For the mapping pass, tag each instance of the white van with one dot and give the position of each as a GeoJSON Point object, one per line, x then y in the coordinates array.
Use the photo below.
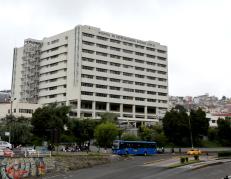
{"type": "Point", "coordinates": [4, 144]}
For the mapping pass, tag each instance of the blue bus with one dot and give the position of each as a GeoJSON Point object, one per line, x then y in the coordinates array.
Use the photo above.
{"type": "Point", "coordinates": [122, 147]}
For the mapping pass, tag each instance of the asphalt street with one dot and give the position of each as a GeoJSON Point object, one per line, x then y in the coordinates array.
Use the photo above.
{"type": "Point", "coordinates": [139, 167]}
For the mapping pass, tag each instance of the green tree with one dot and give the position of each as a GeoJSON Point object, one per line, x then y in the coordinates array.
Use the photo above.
{"type": "Point", "coordinates": [83, 130]}
{"type": "Point", "coordinates": [199, 125]}
{"type": "Point", "coordinates": [19, 128]}
{"type": "Point", "coordinates": [48, 122]}
{"type": "Point", "coordinates": [129, 137]}
{"type": "Point", "coordinates": [224, 131]}
{"type": "Point", "coordinates": [176, 127]}
{"type": "Point", "coordinates": [105, 133]}
{"type": "Point", "coordinates": [109, 117]}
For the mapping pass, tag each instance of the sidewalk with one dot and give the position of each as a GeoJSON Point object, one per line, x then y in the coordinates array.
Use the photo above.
{"type": "Point", "coordinates": [174, 160]}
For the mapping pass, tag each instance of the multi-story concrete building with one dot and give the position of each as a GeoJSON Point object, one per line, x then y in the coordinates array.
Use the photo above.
{"type": "Point", "coordinates": [93, 71]}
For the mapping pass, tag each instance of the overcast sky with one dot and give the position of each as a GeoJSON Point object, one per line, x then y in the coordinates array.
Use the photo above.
{"type": "Point", "coordinates": [197, 33]}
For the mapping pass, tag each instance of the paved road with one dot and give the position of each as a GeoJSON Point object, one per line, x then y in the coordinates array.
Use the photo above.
{"type": "Point", "coordinates": [139, 168]}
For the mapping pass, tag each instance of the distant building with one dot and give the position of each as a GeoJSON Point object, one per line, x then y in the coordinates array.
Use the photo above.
{"type": "Point", "coordinates": [94, 71]}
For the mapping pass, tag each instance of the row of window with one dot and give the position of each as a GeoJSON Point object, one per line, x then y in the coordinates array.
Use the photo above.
{"type": "Point", "coordinates": [124, 66]}
{"type": "Point", "coordinates": [123, 73]}
{"type": "Point", "coordinates": [125, 59]}
{"type": "Point", "coordinates": [119, 49]}
{"type": "Point", "coordinates": [26, 111]}
{"type": "Point", "coordinates": [121, 42]}
{"type": "Point", "coordinates": [119, 80]}
{"type": "Point", "coordinates": [118, 57]}
{"type": "Point", "coordinates": [87, 93]}
{"type": "Point", "coordinates": [126, 89]}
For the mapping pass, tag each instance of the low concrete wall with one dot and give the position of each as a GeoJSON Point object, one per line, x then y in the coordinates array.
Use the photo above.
{"type": "Point", "coordinates": [16, 168]}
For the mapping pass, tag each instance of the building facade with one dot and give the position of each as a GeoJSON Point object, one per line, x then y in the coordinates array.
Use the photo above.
{"type": "Point", "coordinates": [93, 71]}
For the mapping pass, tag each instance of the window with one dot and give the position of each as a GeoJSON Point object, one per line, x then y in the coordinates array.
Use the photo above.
{"type": "Point", "coordinates": [101, 86]}
{"type": "Point", "coordinates": [87, 51]}
{"type": "Point", "coordinates": [128, 97]}
{"type": "Point", "coordinates": [162, 87]}
{"type": "Point", "coordinates": [102, 38]}
{"type": "Point", "coordinates": [53, 88]}
{"type": "Point", "coordinates": [115, 41]}
{"type": "Point", "coordinates": [114, 96]}
{"type": "Point", "coordinates": [101, 78]}
{"type": "Point", "coordinates": [87, 76]}
{"type": "Point", "coordinates": [127, 59]}
{"type": "Point", "coordinates": [151, 92]}
{"type": "Point", "coordinates": [53, 96]}
{"type": "Point", "coordinates": [128, 89]}
{"type": "Point", "coordinates": [162, 72]}
{"type": "Point", "coordinates": [114, 88]}
{"type": "Point", "coordinates": [101, 54]}
{"type": "Point", "coordinates": [114, 64]}
{"type": "Point", "coordinates": [151, 78]}
{"type": "Point", "coordinates": [151, 85]}
{"type": "Point", "coordinates": [127, 82]}
{"type": "Point", "coordinates": [87, 84]}
{"type": "Point", "coordinates": [87, 59]}
{"type": "Point", "coordinates": [139, 54]}
{"type": "Point", "coordinates": [139, 76]}
{"type": "Point", "coordinates": [87, 67]}
{"type": "Point", "coordinates": [139, 68]}
{"type": "Point", "coordinates": [127, 74]}
{"type": "Point", "coordinates": [128, 44]}
{"type": "Point", "coordinates": [88, 43]}
{"type": "Point", "coordinates": [115, 49]}
{"type": "Point", "coordinates": [101, 94]}
{"type": "Point", "coordinates": [54, 49]}
{"type": "Point", "coordinates": [127, 66]}
{"type": "Point", "coordinates": [139, 61]}
{"type": "Point", "coordinates": [140, 83]}
{"type": "Point", "coordinates": [139, 91]}
{"type": "Point", "coordinates": [161, 65]}
{"type": "Point", "coordinates": [88, 35]}
{"type": "Point", "coordinates": [161, 51]}
{"type": "Point", "coordinates": [151, 70]}
{"type": "Point", "coordinates": [151, 100]}
{"type": "Point", "coordinates": [114, 72]}
{"type": "Point", "coordinates": [150, 49]}
{"type": "Point", "coordinates": [161, 58]}
{"type": "Point", "coordinates": [151, 56]}
{"type": "Point", "coordinates": [101, 70]}
{"type": "Point", "coordinates": [115, 56]}
{"type": "Point", "coordinates": [101, 62]}
{"type": "Point", "coordinates": [115, 80]}
{"type": "Point", "coordinates": [54, 41]}
{"type": "Point", "coordinates": [87, 93]}
{"type": "Point", "coordinates": [101, 46]}
{"type": "Point", "coordinates": [127, 51]}
{"type": "Point", "coordinates": [151, 63]}
{"type": "Point", "coordinates": [139, 99]}
{"type": "Point", "coordinates": [162, 79]}
{"type": "Point", "coordinates": [139, 46]}
{"type": "Point", "coordinates": [162, 94]}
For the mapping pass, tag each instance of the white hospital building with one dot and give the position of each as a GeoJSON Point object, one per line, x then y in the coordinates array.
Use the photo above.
{"type": "Point", "coordinates": [93, 71]}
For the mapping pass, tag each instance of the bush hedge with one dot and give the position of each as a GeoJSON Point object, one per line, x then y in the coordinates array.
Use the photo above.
{"type": "Point", "coordinates": [224, 154]}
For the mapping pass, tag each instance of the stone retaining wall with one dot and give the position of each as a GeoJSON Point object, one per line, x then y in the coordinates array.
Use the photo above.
{"type": "Point", "coordinates": [16, 168]}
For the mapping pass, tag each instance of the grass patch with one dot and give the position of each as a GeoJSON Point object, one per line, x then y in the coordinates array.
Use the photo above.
{"type": "Point", "coordinates": [183, 164]}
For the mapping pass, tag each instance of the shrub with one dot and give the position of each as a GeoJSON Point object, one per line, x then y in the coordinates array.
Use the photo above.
{"type": "Point", "coordinates": [224, 154]}
{"type": "Point", "coordinates": [196, 157]}
{"type": "Point", "coordinates": [182, 159]}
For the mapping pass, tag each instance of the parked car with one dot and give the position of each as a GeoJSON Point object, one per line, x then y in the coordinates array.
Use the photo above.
{"type": "Point", "coordinates": [194, 152]}
{"type": "Point", "coordinates": [4, 144]}
{"type": "Point", "coordinates": [8, 153]}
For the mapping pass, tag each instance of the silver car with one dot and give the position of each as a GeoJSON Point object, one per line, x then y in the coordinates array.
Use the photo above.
{"type": "Point", "coordinates": [4, 144]}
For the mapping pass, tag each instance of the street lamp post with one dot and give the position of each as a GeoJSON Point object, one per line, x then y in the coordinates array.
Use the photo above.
{"type": "Point", "coordinates": [190, 129]}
